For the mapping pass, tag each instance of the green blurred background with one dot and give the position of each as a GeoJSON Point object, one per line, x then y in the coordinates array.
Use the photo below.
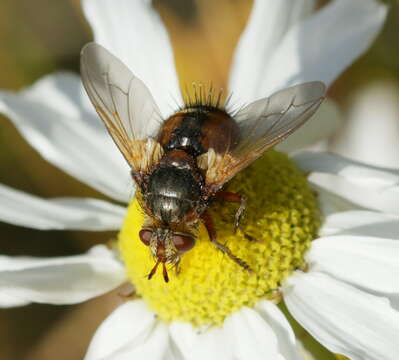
{"type": "Point", "coordinates": [43, 36]}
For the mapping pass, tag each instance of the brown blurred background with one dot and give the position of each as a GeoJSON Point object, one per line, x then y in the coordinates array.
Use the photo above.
{"type": "Point", "coordinates": [42, 36]}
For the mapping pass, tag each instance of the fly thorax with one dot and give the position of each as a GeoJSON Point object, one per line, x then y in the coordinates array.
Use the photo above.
{"type": "Point", "coordinates": [172, 194]}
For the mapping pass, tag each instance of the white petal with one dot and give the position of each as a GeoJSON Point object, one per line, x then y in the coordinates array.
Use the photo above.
{"type": "Point", "coordinates": [19, 208]}
{"type": "Point", "coordinates": [319, 127]}
{"type": "Point", "coordinates": [366, 186]}
{"type": "Point", "coordinates": [62, 280]}
{"type": "Point", "coordinates": [268, 23]}
{"type": "Point", "coordinates": [287, 343]}
{"type": "Point", "coordinates": [322, 46]}
{"type": "Point", "coordinates": [52, 118]}
{"type": "Point", "coordinates": [344, 319]}
{"type": "Point", "coordinates": [394, 300]}
{"type": "Point", "coordinates": [129, 323]}
{"type": "Point", "coordinates": [133, 31]}
{"type": "Point", "coordinates": [196, 344]}
{"type": "Point", "coordinates": [372, 109]}
{"type": "Point", "coordinates": [379, 198]}
{"type": "Point", "coordinates": [368, 262]}
{"type": "Point", "coordinates": [130, 332]}
{"type": "Point", "coordinates": [11, 301]}
{"type": "Point", "coordinates": [361, 222]}
{"type": "Point", "coordinates": [354, 171]}
{"type": "Point", "coordinates": [246, 334]}
{"type": "Point", "coordinates": [155, 347]}
{"type": "Point", "coordinates": [330, 203]}
{"type": "Point", "coordinates": [251, 336]}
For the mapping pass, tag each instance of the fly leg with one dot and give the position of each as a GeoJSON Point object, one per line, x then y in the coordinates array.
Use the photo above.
{"type": "Point", "coordinates": [177, 267]}
{"type": "Point", "coordinates": [234, 197]}
{"type": "Point", "coordinates": [208, 222]}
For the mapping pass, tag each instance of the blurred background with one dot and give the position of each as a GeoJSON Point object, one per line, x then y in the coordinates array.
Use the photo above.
{"type": "Point", "coordinates": [42, 36]}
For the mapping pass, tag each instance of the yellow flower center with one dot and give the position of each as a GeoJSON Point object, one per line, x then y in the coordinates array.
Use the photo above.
{"type": "Point", "coordinates": [280, 221]}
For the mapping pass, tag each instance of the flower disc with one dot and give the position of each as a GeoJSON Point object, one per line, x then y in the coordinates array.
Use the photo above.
{"type": "Point", "coordinates": [280, 221]}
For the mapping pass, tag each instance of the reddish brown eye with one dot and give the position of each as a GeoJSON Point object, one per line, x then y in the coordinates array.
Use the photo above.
{"type": "Point", "coordinates": [145, 236]}
{"type": "Point", "coordinates": [183, 242]}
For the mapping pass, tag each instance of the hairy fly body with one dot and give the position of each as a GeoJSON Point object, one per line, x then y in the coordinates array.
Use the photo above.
{"type": "Point", "coordinates": [181, 165]}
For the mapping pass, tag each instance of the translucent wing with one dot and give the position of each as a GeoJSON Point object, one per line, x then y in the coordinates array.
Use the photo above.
{"type": "Point", "coordinates": [263, 124]}
{"type": "Point", "coordinates": [125, 105]}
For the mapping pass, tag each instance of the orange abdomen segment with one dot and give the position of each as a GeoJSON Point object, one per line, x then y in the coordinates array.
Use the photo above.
{"type": "Point", "coordinates": [195, 130]}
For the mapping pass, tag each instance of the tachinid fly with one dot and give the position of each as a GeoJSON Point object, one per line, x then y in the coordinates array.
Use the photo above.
{"type": "Point", "coordinates": [181, 165]}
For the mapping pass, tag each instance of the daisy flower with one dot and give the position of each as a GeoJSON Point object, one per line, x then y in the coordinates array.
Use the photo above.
{"type": "Point", "coordinates": [324, 242]}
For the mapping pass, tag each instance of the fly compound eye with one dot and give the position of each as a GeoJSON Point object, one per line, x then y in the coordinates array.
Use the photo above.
{"type": "Point", "coordinates": [183, 243]}
{"type": "Point", "coordinates": [145, 236]}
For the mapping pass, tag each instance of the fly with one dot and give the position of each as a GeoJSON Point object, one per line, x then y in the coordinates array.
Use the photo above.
{"type": "Point", "coordinates": [181, 166]}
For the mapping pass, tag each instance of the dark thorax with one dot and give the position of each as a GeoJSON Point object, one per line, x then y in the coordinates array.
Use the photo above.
{"type": "Point", "coordinates": [174, 188]}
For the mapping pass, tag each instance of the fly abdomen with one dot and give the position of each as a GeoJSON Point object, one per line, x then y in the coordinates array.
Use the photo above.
{"type": "Point", "coordinates": [187, 136]}
{"type": "Point", "coordinates": [197, 129]}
